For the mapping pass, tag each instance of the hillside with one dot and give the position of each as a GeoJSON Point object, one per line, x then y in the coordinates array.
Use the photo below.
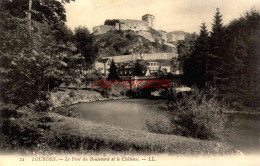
{"type": "Point", "coordinates": [126, 42]}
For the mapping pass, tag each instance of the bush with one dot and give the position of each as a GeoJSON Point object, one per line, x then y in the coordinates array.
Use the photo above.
{"type": "Point", "coordinates": [72, 93]}
{"type": "Point", "coordinates": [8, 110]}
{"type": "Point", "coordinates": [66, 109]}
{"type": "Point", "coordinates": [66, 101]}
{"type": "Point", "coordinates": [158, 124]}
{"type": "Point", "coordinates": [105, 92]}
{"type": "Point", "coordinates": [198, 115]}
{"type": "Point", "coordinates": [30, 130]}
{"type": "Point", "coordinates": [26, 131]}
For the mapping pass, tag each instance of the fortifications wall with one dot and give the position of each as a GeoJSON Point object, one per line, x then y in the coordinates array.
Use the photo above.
{"type": "Point", "coordinates": [149, 18]}
{"type": "Point", "coordinates": [125, 24]}
{"type": "Point", "coordinates": [135, 25]}
{"type": "Point", "coordinates": [163, 35]}
{"type": "Point", "coordinates": [103, 29]}
{"type": "Point", "coordinates": [133, 57]}
{"type": "Point", "coordinates": [156, 56]}
{"type": "Point", "coordinates": [146, 34]}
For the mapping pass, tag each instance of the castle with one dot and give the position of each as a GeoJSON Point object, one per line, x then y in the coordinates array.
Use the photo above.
{"type": "Point", "coordinates": [121, 24]}
{"type": "Point", "coordinates": [144, 27]}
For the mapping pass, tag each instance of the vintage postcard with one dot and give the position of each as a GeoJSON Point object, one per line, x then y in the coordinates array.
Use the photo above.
{"type": "Point", "coordinates": [130, 82]}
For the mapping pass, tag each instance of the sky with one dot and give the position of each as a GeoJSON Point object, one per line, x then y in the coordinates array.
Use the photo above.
{"type": "Point", "coordinates": [170, 15]}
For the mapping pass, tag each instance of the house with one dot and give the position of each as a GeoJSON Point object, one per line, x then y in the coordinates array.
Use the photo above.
{"type": "Point", "coordinates": [126, 63]}
{"type": "Point", "coordinates": [126, 69]}
{"type": "Point", "coordinates": [148, 73]}
{"type": "Point", "coordinates": [153, 66]}
{"type": "Point", "coordinates": [103, 66]}
{"type": "Point", "coordinates": [176, 36]}
{"type": "Point", "coordinates": [166, 68]}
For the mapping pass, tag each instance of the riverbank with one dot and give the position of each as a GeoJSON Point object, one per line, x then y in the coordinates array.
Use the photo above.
{"type": "Point", "coordinates": [62, 98]}
{"type": "Point", "coordinates": [51, 132]}
{"type": "Point", "coordinates": [100, 137]}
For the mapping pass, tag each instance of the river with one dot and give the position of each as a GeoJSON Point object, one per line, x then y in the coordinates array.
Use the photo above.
{"type": "Point", "coordinates": [133, 113]}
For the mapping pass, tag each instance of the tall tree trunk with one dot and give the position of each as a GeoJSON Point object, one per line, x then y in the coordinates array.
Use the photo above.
{"type": "Point", "coordinates": [30, 15]}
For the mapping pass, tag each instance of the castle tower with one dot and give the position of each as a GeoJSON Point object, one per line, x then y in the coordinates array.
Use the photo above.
{"type": "Point", "coordinates": [149, 18]}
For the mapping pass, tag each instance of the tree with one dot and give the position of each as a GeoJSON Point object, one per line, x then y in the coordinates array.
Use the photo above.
{"type": "Point", "coordinates": [228, 59]}
{"type": "Point", "coordinates": [113, 71]}
{"type": "Point", "coordinates": [30, 61]}
{"type": "Point", "coordinates": [186, 47]}
{"type": "Point", "coordinates": [138, 69]}
{"type": "Point", "coordinates": [85, 45]}
{"type": "Point", "coordinates": [202, 43]}
{"type": "Point", "coordinates": [217, 34]}
{"type": "Point", "coordinates": [216, 60]}
{"type": "Point", "coordinates": [195, 67]}
{"type": "Point", "coordinates": [50, 11]}
{"type": "Point", "coordinates": [242, 48]}
{"type": "Point", "coordinates": [23, 62]}
{"type": "Point", "coordinates": [34, 60]}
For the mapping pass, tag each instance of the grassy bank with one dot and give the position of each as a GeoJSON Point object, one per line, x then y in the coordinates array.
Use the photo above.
{"type": "Point", "coordinates": [82, 134]}
{"type": "Point", "coordinates": [52, 131]}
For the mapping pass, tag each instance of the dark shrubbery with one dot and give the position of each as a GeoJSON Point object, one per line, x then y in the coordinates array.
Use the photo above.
{"type": "Point", "coordinates": [25, 133]}
{"type": "Point", "coordinates": [72, 93]}
{"type": "Point", "coordinates": [198, 115]}
{"type": "Point", "coordinates": [30, 130]}
{"type": "Point", "coordinates": [227, 57]}
{"type": "Point", "coordinates": [8, 110]}
{"type": "Point", "coordinates": [105, 92]}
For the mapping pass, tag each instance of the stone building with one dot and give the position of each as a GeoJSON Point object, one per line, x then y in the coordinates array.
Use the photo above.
{"type": "Point", "coordinates": [153, 66]}
{"type": "Point", "coordinates": [103, 66]}
{"type": "Point", "coordinates": [149, 19]}
{"type": "Point", "coordinates": [144, 27]}
{"type": "Point", "coordinates": [97, 30]}
{"type": "Point", "coordinates": [175, 36]}
{"type": "Point", "coordinates": [166, 68]}
{"type": "Point", "coordinates": [159, 35]}
{"type": "Point", "coordinates": [126, 69]}
{"type": "Point", "coordinates": [126, 24]}
{"type": "Point", "coordinates": [163, 35]}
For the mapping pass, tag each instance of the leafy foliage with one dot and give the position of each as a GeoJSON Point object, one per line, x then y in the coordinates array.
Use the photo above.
{"type": "Point", "coordinates": [198, 115]}
{"type": "Point", "coordinates": [85, 45]}
{"type": "Point", "coordinates": [31, 62]}
{"type": "Point", "coordinates": [186, 47]}
{"type": "Point", "coordinates": [51, 11]}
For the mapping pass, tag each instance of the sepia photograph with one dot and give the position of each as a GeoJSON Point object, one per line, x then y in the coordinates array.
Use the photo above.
{"type": "Point", "coordinates": [130, 82]}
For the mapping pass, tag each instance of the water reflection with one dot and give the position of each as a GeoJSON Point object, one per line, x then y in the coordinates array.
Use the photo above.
{"type": "Point", "coordinates": [130, 114]}
{"type": "Point", "coordinates": [247, 136]}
